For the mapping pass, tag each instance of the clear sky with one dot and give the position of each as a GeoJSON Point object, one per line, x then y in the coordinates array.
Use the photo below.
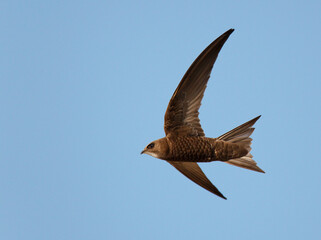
{"type": "Point", "coordinates": [84, 86]}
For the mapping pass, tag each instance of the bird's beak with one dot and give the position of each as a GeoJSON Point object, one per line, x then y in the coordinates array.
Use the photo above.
{"type": "Point", "coordinates": [143, 151]}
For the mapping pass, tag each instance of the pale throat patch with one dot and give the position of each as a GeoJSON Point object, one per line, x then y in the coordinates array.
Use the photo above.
{"type": "Point", "coordinates": [152, 154]}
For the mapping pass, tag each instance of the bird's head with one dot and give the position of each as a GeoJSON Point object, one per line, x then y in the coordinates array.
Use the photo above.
{"type": "Point", "coordinates": [158, 148]}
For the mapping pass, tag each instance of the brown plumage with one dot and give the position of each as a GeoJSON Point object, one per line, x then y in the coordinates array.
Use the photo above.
{"type": "Point", "coordinates": [203, 149]}
{"type": "Point", "coordinates": [185, 143]}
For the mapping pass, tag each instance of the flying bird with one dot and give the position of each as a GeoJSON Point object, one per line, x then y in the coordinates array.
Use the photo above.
{"type": "Point", "coordinates": [185, 143]}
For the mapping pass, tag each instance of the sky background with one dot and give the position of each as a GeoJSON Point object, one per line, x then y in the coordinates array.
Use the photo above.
{"type": "Point", "coordinates": [84, 86]}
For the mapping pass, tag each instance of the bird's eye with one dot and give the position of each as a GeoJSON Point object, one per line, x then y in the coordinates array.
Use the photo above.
{"type": "Point", "coordinates": [150, 146]}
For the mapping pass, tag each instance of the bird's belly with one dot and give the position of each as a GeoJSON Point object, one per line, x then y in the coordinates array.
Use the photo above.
{"type": "Point", "coordinates": [192, 150]}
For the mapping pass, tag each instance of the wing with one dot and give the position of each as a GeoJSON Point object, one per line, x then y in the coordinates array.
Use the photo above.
{"type": "Point", "coordinates": [181, 117]}
{"type": "Point", "coordinates": [195, 173]}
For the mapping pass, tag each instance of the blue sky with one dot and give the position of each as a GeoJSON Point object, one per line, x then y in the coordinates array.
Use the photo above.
{"type": "Point", "coordinates": [85, 85]}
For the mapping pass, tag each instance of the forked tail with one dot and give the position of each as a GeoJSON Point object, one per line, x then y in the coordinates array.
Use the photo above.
{"type": "Point", "coordinates": [241, 135]}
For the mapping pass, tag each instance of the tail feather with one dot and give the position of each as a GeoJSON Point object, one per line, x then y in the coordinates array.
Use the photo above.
{"type": "Point", "coordinates": [245, 162]}
{"type": "Point", "coordinates": [241, 135]}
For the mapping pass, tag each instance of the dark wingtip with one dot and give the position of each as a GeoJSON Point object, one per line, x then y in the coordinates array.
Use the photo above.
{"type": "Point", "coordinates": [220, 195]}
{"type": "Point", "coordinates": [228, 32]}
{"type": "Point", "coordinates": [224, 37]}
{"type": "Point", "coordinates": [254, 119]}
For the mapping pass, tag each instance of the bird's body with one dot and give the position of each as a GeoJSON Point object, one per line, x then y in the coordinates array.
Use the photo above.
{"type": "Point", "coordinates": [190, 148]}
{"type": "Point", "coordinates": [185, 143]}
{"type": "Point", "coordinates": [201, 149]}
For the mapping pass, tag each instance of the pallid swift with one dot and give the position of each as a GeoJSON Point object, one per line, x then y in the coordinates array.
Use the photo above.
{"type": "Point", "coordinates": [185, 143]}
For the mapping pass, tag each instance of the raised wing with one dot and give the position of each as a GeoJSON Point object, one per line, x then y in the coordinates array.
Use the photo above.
{"type": "Point", "coordinates": [181, 117]}
{"type": "Point", "coordinates": [195, 173]}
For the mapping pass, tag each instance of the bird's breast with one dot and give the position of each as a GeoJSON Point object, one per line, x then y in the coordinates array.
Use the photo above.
{"type": "Point", "coordinates": [200, 149]}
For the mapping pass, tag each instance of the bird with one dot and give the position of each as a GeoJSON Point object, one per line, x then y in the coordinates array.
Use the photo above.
{"type": "Point", "coordinates": [185, 143]}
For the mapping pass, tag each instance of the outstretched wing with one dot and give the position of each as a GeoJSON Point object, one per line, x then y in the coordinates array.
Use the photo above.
{"type": "Point", "coordinates": [195, 173]}
{"type": "Point", "coordinates": [181, 117]}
